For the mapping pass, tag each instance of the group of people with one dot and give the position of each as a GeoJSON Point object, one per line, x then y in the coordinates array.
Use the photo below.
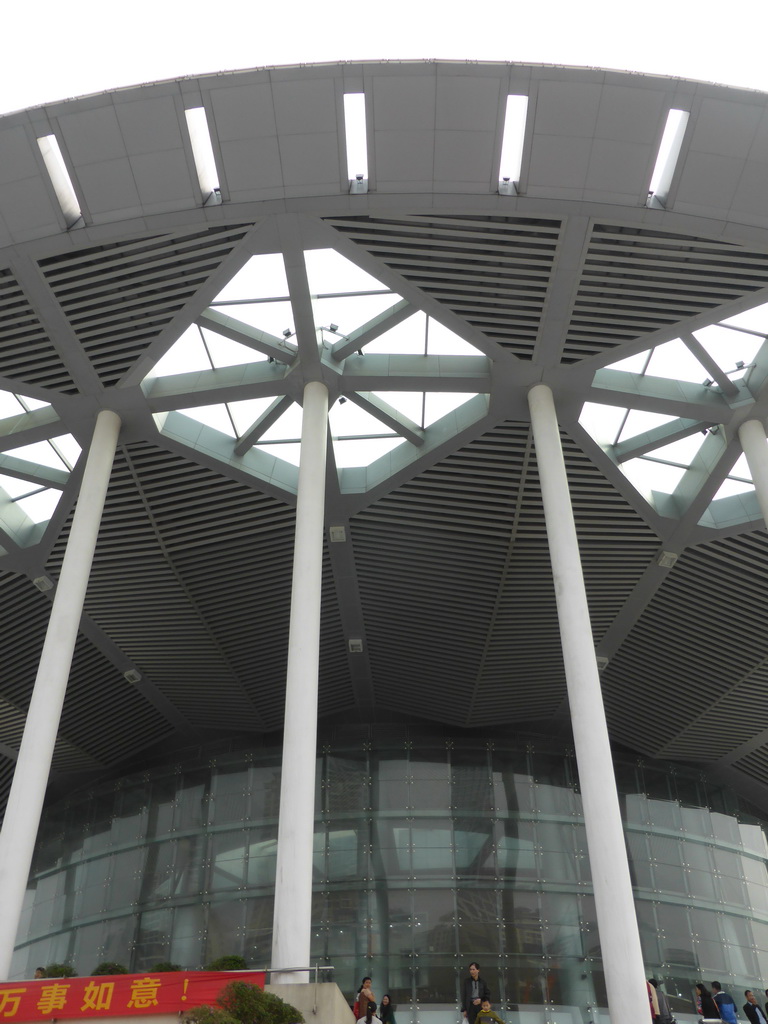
{"type": "Point", "coordinates": [365, 1007]}
{"type": "Point", "coordinates": [718, 1005]}
{"type": "Point", "coordinates": [475, 1002]}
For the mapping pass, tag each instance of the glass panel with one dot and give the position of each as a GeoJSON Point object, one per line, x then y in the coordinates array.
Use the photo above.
{"type": "Point", "coordinates": [639, 860]}
{"type": "Point", "coordinates": [265, 792]}
{"type": "Point", "coordinates": [649, 935]}
{"type": "Point", "coordinates": [473, 845]}
{"type": "Point", "coordinates": [116, 939]}
{"type": "Point", "coordinates": [226, 928]}
{"type": "Point", "coordinates": [88, 948]}
{"type": "Point", "coordinates": [130, 822]}
{"type": "Point", "coordinates": [92, 897]}
{"type": "Point", "coordinates": [347, 784]}
{"type": "Point", "coordinates": [163, 796]}
{"type": "Point", "coordinates": [396, 923]}
{"type": "Point", "coordinates": [125, 878]}
{"type": "Point", "coordinates": [262, 857]}
{"type": "Point", "coordinates": [434, 920]}
{"type": "Point", "coordinates": [342, 854]}
{"type": "Point", "coordinates": [561, 924]}
{"type": "Point", "coordinates": [430, 784]}
{"type": "Point", "coordinates": [158, 873]}
{"type": "Point", "coordinates": [187, 937]}
{"type": "Point", "coordinates": [675, 935]}
{"type": "Point", "coordinates": [522, 923]}
{"type": "Point", "coordinates": [557, 852]}
{"type": "Point", "coordinates": [154, 939]}
{"type": "Point", "coordinates": [190, 865]}
{"type": "Point", "coordinates": [227, 869]}
{"type": "Point", "coordinates": [229, 796]}
{"type": "Point", "coordinates": [515, 853]}
{"type": "Point", "coordinates": [391, 790]}
{"type": "Point", "coordinates": [588, 915]}
{"type": "Point", "coordinates": [470, 785]}
{"type": "Point", "coordinates": [191, 801]}
{"type": "Point", "coordinates": [258, 929]}
{"type": "Point", "coordinates": [512, 782]}
{"type": "Point", "coordinates": [432, 848]}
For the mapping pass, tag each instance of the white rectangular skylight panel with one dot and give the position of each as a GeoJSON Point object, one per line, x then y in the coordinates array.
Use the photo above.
{"type": "Point", "coordinates": [356, 136]}
{"type": "Point", "coordinates": [669, 151]}
{"type": "Point", "coordinates": [60, 179]}
{"type": "Point", "coordinates": [202, 150]}
{"type": "Point", "coordinates": [513, 138]}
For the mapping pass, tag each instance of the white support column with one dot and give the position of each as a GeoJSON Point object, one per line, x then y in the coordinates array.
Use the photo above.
{"type": "Point", "coordinates": [25, 802]}
{"type": "Point", "coordinates": [617, 922]}
{"type": "Point", "coordinates": [295, 839]}
{"type": "Point", "coordinates": [755, 445]}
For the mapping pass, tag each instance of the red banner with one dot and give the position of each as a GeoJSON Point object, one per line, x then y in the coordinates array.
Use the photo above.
{"type": "Point", "coordinates": [116, 995]}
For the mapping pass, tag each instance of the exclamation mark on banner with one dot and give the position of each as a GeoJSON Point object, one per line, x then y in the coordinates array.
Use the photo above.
{"type": "Point", "coordinates": [184, 994]}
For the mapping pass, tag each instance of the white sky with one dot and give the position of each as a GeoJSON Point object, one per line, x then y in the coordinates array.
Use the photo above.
{"type": "Point", "coordinates": [60, 48]}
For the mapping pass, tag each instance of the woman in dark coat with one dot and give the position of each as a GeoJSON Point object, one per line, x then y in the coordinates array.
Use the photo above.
{"type": "Point", "coordinates": [708, 1004]}
{"type": "Point", "coordinates": [387, 1011]}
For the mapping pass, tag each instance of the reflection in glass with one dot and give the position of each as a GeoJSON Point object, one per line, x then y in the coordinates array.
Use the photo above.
{"type": "Point", "coordinates": [428, 853]}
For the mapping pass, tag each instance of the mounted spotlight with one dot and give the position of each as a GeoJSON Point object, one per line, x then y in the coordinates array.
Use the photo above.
{"type": "Point", "coordinates": [333, 328]}
{"type": "Point", "coordinates": [287, 333]}
{"type": "Point", "coordinates": [708, 382]}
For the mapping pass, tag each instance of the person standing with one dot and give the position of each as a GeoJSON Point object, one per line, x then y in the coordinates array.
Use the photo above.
{"type": "Point", "coordinates": [474, 991]}
{"type": "Point", "coordinates": [387, 1010]}
{"type": "Point", "coordinates": [665, 1012]}
{"type": "Point", "coordinates": [725, 1004]}
{"type": "Point", "coordinates": [753, 1010]}
{"type": "Point", "coordinates": [364, 996]}
{"type": "Point", "coordinates": [708, 1006]}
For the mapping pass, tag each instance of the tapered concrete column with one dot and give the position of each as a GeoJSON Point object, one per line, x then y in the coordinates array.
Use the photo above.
{"type": "Point", "coordinates": [755, 445]}
{"type": "Point", "coordinates": [295, 837]}
{"type": "Point", "coordinates": [25, 802]}
{"type": "Point", "coordinates": [617, 922]}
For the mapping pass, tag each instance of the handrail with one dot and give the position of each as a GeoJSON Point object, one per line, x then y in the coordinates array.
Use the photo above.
{"type": "Point", "coordinates": [297, 970]}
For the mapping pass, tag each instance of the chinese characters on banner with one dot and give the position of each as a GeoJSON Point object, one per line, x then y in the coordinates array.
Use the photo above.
{"type": "Point", "coordinates": [115, 995]}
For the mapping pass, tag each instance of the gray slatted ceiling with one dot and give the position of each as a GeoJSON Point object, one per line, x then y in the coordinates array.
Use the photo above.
{"type": "Point", "coordinates": [137, 593]}
{"type": "Point", "coordinates": [635, 280]}
{"type": "Point", "coordinates": [118, 297]}
{"type": "Point", "coordinates": [103, 714]}
{"type": "Point", "coordinates": [493, 272]}
{"type": "Point", "coordinates": [336, 695]}
{"type": "Point", "coordinates": [66, 757]}
{"type": "Point", "coordinates": [26, 352]}
{"type": "Point", "coordinates": [755, 764]}
{"type": "Point", "coordinates": [456, 581]}
{"type": "Point", "coordinates": [522, 671]}
{"type": "Point", "coordinates": [697, 655]}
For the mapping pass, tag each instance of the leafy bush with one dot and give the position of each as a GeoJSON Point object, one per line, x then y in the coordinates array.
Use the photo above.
{"type": "Point", "coordinates": [60, 971]}
{"type": "Point", "coordinates": [163, 967]}
{"type": "Point", "coordinates": [109, 967]}
{"type": "Point", "coordinates": [227, 963]}
{"type": "Point", "coordinates": [209, 1015]}
{"type": "Point", "coordinates": [250, 1005]}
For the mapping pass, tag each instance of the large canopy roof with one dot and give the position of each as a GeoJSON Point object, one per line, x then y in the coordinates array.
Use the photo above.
{"type": "Point", "coordinates": [429, 294]}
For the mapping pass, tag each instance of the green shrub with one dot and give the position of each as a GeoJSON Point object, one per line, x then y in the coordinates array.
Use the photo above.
{"type": "Point", "coordinates": [109, 967]}
{"type": "Point", "coordinates": [227, 963]}
{"type": "Point", "coordinates": [209, 1015]}
{"type": "Point", "coordinates": [60, 971]}
{"type": "Point", "coordinates": [163, 967]}
{"type": "Point", "coordinates": [250, 1005]}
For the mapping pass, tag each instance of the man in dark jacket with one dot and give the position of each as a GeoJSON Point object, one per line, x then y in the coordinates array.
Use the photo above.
{"type": "Point", "coordinates": [753, 1009]}
{"type": "Point", "coordinates": [473, 991]}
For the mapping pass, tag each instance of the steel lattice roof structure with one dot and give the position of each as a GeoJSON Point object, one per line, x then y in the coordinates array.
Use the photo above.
{"type": "Point", "coordinates": [444, 571]}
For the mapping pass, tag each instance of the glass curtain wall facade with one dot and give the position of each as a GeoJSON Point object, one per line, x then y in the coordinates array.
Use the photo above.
{"type": "Point", "coordinates": [430, 850]}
